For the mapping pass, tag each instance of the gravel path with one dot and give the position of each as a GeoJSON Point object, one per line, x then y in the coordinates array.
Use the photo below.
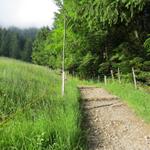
{"type": "Point", "coordinates": [111, 124]}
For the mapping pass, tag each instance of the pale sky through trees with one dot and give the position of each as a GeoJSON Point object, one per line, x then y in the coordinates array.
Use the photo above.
{"type": "Point", "coordinates": [27, 13]}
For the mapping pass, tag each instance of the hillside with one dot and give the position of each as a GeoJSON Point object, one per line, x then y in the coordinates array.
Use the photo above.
{"type": "Point", "coordinates": [33, 114]}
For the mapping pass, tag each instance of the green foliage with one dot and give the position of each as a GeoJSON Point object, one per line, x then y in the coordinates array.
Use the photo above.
{"type": "Point", "coordinates": [147, 46]}
{"type": "Point", "coordinates": [104, 68]}
{"type": "Point", "coordinates": [27, 50]}
{"type": "Point", "coordinates": [144, 77]}
{"type": "Point", "coordinates": [146, 66]}
{"type": "Point", "coordinates": [100, 35]}
{"type": "Point", "coordinates": [17, 43]}
{"type": "Point", "coordinates": [45, 52]}
{"type": "Point", "coordinates": [14, 46]}
{"type": "Point", "coordinates": [38, 47]}
{"type": "Point", "coordinates": [107, 12]}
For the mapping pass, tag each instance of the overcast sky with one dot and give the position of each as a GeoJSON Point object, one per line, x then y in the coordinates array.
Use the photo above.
{"type": "Point", "coordinates": [27, 13]}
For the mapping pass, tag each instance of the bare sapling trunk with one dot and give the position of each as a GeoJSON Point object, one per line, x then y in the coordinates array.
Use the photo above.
{"type": "Point", "coordinates": [119, 78]}
{"type": "Point", "coordinates": [105, 80]}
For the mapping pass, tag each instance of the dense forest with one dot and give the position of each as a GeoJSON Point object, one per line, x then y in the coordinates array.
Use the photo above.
{"type": "Point", "coordinates": [17, 43]}
{"type": "Point", "coordinates": [100, 35]}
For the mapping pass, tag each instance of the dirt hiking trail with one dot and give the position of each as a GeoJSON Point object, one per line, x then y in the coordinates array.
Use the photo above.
{"type": "Point", "coordinates": [111, 125]}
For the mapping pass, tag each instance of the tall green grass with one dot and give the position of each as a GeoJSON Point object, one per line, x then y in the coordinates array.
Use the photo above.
{"type": "Point", "coordinates": [33, 114]}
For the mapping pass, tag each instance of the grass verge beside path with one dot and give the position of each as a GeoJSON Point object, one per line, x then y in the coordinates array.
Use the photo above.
{"type": "Point", "coordinates": [138, 99]}
{"type": "Point", "coordinates": [33, 115]}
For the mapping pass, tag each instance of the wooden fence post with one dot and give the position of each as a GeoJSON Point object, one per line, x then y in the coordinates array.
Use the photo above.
{"type": "Point", "coordinates": [134, 78]}
{"type": "Point", "coordinates": [112, 75]}
{"type": "Point", "coordinates": [119, 76]}
{"type": "Point", "coordinates": [92, 78]}
{"type": "Point", "coordinates": [73, 73]}
{"type": "Point", "coordinates": [105, 80]}
{"type": "Point", "coordinates": [98, 78]}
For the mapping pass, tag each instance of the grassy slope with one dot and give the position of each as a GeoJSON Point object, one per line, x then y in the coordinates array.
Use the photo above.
{"type": "Point", "coordinates": [33, 115]}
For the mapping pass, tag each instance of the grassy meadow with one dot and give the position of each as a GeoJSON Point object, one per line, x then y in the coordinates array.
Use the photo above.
{"type": "Point", "coordinates": [33, 114]}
